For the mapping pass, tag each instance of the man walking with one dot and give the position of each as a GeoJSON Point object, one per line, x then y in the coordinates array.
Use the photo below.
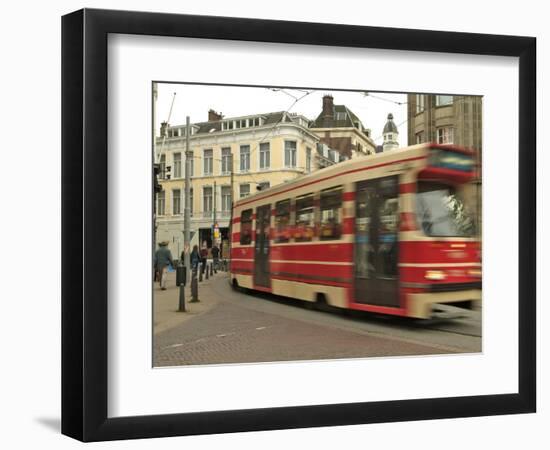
{"type": "Point", "coordinates": [163, 257]}
{"type": "Point", "coordinates": [216, 256]}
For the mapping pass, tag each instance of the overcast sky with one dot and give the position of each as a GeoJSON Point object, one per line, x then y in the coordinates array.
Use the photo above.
{"type": "Point", "coordinates": [231, 101]}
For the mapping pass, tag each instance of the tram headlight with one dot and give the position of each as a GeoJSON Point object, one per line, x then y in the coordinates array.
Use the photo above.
{"type": "Point", "coordinates": [474, 273]}
{"type": "Point", "coordinates": [435, 275]}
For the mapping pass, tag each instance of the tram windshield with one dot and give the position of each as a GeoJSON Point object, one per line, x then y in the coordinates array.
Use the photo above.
{"type": "Point", "coordinates": [441, 211]}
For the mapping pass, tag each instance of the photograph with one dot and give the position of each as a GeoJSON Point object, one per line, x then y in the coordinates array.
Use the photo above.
{"type": "Point", "coordinates": [302, 224]}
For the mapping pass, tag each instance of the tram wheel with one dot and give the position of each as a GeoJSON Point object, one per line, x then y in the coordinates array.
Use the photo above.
{"type": "Point", "coordinates": [321, 303]}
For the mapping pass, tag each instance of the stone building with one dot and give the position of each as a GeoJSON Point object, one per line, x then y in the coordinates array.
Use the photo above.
{"type": "Point", "coordinates": [445, 119]}
{"type": "Point", "coordinates": [267, 149]}
{"type": "Point", "coordinates": [341, 130]}
{"type": "Point", "coordinates": [448, 119]}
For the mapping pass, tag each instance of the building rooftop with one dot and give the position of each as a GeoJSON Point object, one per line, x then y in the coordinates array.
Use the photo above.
{"type": "Point", "coordinates": [235, 123]}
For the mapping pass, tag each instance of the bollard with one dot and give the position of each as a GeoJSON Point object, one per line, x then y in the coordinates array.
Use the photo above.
{"type": "Point", "coordinates": [181, 306]}
{"type": "Point", "coordinates": [194, 288]}
{"type": "Point", "coordinates": [207, 271]}
{"type": "Point", "coordinates": [181, 280]}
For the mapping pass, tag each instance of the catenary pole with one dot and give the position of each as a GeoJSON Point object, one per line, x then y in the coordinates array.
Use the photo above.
{"type": "Point", "coordinates": [214, 224]}
{"type": "Point", "coordinates": [187, 208]}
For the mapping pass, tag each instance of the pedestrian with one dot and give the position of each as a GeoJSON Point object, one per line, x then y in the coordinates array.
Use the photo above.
{"type": "Point", "coordinates": [163, 258]}
{"type": "Point", "coordinates": [195, 258]}
{"type": "Point", "coordinates": [204, 255]}
{"type": "Point", "coordinates": [216, 256]}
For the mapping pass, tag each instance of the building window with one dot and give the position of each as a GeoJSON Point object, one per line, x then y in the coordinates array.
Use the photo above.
{"type": "Point", "coordinates": [226, 160]}
{"type": "Point", "coordinates": [177, 165]}
{"type": "Point", "coordinates": [419, 103]}
{"type": "Point", "coordinates": [445, 135]}
{"type": "Point", "coordinates": [176, 201]}
{"type": "Point", "coordinates": [305, 225]}
{"type": "Point", "coordinates": [390, 136]}
{"type": "Point", "coordinates": [241, 123]}
{"type": "Point", "coordinates": [226, 198]}
{"type": "Point", "coordinates": [264, 156]}
{"type": "Point", "coordinates": [207, 201]}
{"type": "Point", "coordinates": [282, 221]}
{"type": "Point", "coordinates": [162, 166]}
{"type": "Point", "coordinates": [331, 214]}
{"type": "Point", "coordinates": [263, 185]}
{"type": "Point", "coordinates": [308, 159]}
{"type": "Point", "coordinates": [208, 161]}
{"type": "Point", "coordinates": [442, 100]}
{"type": "Point", "coordinates": [290, 153]}
{"type": "Point", "coordinates": [191, 165]}
{"type": "Point", "coordinates": [246, 227]}
{"type": "Point", "coordinates": [419, 137]}
{"type": "Point", "coordinates": [245, 158]}
{"type": "Point", "coordinates": [244, 190]}
{"type": "Point", "coordinates": [161, 203]}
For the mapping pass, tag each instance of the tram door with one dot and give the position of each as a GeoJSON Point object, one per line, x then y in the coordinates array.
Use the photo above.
{"type": "Point", "coordinates": [261, 246]}
{"type": "Point", "coordinates": [376, 242]}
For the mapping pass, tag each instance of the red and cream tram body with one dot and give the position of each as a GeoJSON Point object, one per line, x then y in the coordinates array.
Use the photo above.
{"type": "Point", "coordinates": [390, 233]}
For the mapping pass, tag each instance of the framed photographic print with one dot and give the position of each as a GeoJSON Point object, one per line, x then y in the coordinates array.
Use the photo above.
{"type": "Point", "coordinates": [273, 225]}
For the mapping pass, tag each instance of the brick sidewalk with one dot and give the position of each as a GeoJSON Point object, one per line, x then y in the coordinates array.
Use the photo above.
{"type": "Point", "coordinates": [165, 309]}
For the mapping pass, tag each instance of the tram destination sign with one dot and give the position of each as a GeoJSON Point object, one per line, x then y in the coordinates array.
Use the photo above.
{"type": "Point", "coordinates": [447, 159]}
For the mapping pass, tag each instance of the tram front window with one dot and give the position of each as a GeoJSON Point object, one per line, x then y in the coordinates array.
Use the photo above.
{"type": "Point", "coordinates": [440, 211]}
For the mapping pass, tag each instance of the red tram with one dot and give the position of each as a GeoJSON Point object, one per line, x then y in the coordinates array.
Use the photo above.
{"type": "Point", "coordinates": [390, 233]}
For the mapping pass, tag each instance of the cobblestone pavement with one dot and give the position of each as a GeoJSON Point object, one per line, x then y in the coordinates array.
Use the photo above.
{"type": "Point", "coordinates": [233, 332]}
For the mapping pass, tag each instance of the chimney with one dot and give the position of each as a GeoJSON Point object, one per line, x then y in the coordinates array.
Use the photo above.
{"type": "Point", "coordinates": [164, 129]}
{"type": "Point", "coordinates": [213, 116]}
{"type": "Point", "coordinates": [328, 107]}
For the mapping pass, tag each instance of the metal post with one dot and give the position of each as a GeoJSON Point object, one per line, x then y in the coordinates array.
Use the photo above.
{"type": "Point", "coordinates": [181, 306]}
{"type": "Point", "coordinates": [194, 287]}
{"type": "Point", "coordinates": [206, 266]}
{"type": "Point", "coordinates": [187, 209]}
{"type": "Point", "coordinates": [214, 214]}
{"type": "Point", "coordinates": [181, 281]}
{"type": "Point", "coordinates": [232, 202]}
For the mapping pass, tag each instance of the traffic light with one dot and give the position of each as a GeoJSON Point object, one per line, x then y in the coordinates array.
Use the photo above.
{"type": "Point", "coordinates": [156, 173]}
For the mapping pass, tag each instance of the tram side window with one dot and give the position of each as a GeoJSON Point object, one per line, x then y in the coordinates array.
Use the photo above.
{"type": "Point", "coordinates": [246, 227]}
{"type": "Point", "coordinates": [282, 221]}
{"type": "Point", "coordinates": [305, 223]}
{"type": "Point", "coordinates": [388, 227]}
{"type": "Point", "coordinates": [331, 214]}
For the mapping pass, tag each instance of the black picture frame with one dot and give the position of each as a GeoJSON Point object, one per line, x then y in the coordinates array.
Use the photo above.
{"type": "Point", "coordinates": [84, 224]}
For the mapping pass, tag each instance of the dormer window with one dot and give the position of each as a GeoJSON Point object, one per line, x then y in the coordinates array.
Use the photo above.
{"type": "Point", "coordinates": [227, 125]}
{"type": "Point", "coordinates": [340, 116]}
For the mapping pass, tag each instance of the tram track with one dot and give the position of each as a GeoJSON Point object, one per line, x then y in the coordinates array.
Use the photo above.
{"type": "Point", "coordinates": [459, 336]}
